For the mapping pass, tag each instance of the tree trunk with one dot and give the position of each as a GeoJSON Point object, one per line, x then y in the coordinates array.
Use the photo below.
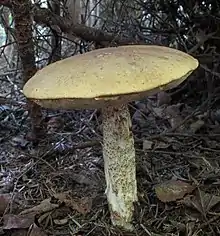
{"type": "Point", "coordinates": [9, 48]}
{"type": "Point", "coordinates": [73, 14]}
{"type": "Point", "coordinates": [21, 10]}
{"type": "Point", "coordinates": [54, 6]}
{"type": "Point", "coordinates": [73, 8]}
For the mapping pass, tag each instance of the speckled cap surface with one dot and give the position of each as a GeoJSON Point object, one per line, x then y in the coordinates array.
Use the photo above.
{"type": "Point", "coordinates": [110, 73]}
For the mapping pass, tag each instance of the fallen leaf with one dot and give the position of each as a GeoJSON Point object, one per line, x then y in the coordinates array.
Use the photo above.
{"type": "Point", "coordinates": [173, 110]}
{"type": "Point", "coordinates": [4, 201]}
{"type": "Point", "coordinates": [82, 205]}
{"type": "Point", "coordinates": [139, 118]}
{"type": "Point", "coordinates": [203, 202]}
{"type": "Point", "coordinates": [18, 221]}
{"type": "Point", "coordinates": [43, 207]}
{"type": "Point", "coordinates": [163, 98]}
{"type": "Point", "coordinates": [173, 116]}
{"type": "Point", "coordinates": [60, 221]}
{"type": "Point", "coordinates": [141, 105]}
{"type": "Point", "coordinates": [158, 111]}
{"type": "Point", "coordinates": [172, 190]}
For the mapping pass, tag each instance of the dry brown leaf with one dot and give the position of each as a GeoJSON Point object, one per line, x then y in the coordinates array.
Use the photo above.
{"type": "Point", "coordinates": [43, 207]}
{"type": "Point", "coordinates": [203, 202]}
{"type": "Point", "coordinates": [82, 205]}
{"type": "Point", "coordinates": [18, 221]}
{"type": "Point", "coordinates": [172, 190]}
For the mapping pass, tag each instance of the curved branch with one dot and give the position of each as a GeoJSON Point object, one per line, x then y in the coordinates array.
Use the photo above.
{"type": "Point", "coordinates": [45, 16]}
{"type": "Point", "coordinates": [48, 18]}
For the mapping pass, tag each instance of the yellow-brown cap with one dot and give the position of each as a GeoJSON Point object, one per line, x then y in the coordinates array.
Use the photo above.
{"type": "Point", "coordinates": [116, 74]}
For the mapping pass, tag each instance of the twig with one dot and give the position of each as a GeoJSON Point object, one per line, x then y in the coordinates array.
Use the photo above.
{"type": "Point", "coordinates": [210, 71]}
{"type": "Point", "coordinates": [146, 230]}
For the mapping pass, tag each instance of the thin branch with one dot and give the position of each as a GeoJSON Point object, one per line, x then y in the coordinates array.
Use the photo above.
{"type": "Point", "coordinates": [46, 17]}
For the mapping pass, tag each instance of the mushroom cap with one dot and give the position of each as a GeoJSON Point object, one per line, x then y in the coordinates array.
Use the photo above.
{"type": "Point", "coordinates": [115, 74]}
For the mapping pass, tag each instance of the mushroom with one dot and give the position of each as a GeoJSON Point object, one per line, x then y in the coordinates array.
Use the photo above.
{"type": "Point", "coordinates": [109, 79]}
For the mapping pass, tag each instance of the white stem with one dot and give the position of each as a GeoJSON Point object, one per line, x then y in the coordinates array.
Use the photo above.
{"type": "Point", "coordinates": [120, 165]}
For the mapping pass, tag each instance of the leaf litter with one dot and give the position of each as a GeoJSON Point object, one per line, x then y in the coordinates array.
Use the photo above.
{"type": "Point", "coordinates": [61, 182]}
{"type": "Point", "coordinates": [172, 190]}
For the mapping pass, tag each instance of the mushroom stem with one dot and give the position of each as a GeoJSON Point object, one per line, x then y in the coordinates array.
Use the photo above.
{"type": "Point", "coordinates": [120, 165]}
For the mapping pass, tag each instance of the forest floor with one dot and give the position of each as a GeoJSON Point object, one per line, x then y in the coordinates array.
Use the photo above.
{"type": "Point", "coordinates": [57, 187]}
